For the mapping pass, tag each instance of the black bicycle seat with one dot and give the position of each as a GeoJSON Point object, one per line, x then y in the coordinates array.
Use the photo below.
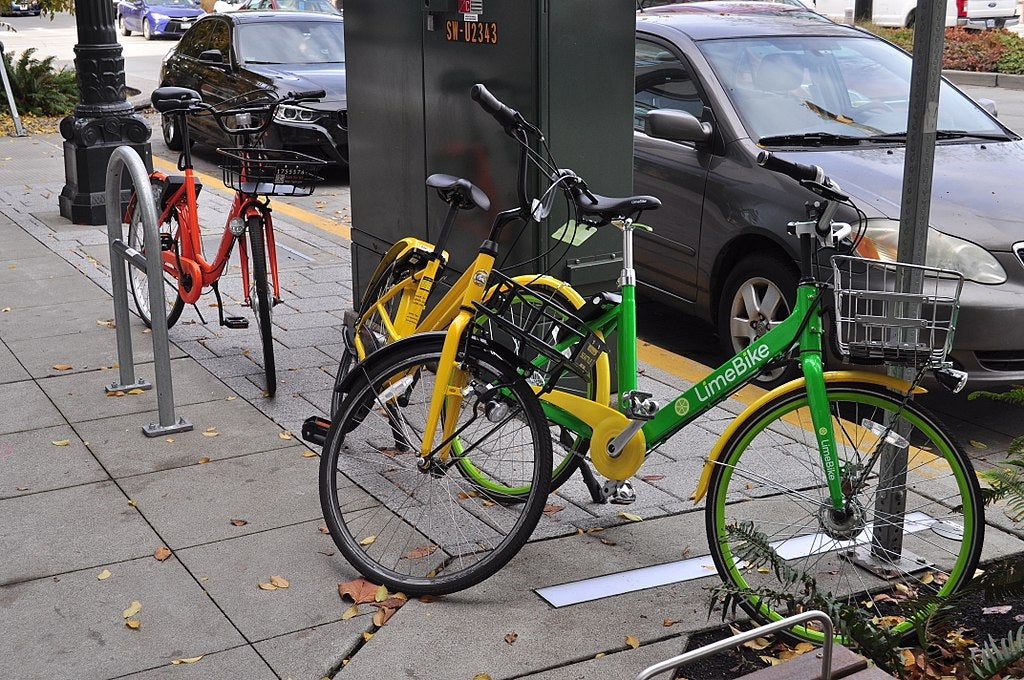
{"type": "Point", "coordinates": [168, 99]}
{"type": "Point", "coordinates": [459, 192]}
{"type": "Point", "coordinates": [607, 209]}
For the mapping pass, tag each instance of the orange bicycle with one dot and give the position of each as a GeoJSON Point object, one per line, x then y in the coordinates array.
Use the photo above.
{"type": "Point", "coordinates": [254, 173]}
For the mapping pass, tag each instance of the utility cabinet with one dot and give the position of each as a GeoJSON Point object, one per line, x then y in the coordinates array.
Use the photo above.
{"type": "Point", "coordinates": [566, 65]}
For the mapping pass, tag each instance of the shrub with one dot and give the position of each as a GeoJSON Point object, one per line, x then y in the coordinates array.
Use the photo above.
{"type": "Point", "coordinates": [990, 51]}
{"type": "Point", "coordinates": [40, 89]}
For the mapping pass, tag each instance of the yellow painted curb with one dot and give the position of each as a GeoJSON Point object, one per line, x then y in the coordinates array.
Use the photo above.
{"type": "Point", "coordinates": [688, 369]}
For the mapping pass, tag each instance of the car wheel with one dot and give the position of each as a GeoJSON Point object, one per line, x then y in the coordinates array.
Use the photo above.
{"type": "Point", "coordinates": [120, 25]}
{"type": "Point", "coordinates": [757, 295]}
{"type": "Point", "coordinates": [147, 30]}
{"type": "Point", "coordinates": [172, 135]}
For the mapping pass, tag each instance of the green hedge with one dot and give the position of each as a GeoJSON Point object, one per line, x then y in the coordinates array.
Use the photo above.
{"type": "Point", "coordinates": [997, 51]}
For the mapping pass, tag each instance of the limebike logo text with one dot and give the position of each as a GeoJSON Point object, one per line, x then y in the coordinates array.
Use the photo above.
{"type": "Point", "coordinates": [739, 367]}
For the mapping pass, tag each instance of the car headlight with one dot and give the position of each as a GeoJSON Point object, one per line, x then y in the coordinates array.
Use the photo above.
{"type": "Point", "coordinates": [159, 17]}
{"type": "Point", "coordinates": [289, 113]}
{"type": "Point", "coordinates": [881, 240]}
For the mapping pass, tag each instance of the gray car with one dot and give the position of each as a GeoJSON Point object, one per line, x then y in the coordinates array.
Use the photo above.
{"type": "Point", "coordinates": [770, 77]}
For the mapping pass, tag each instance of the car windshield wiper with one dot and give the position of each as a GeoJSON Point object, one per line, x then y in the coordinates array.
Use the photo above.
{"type": "Point", "coordinates": [942, 134]}
{"type": "Point", "coordinates": [810, 139]}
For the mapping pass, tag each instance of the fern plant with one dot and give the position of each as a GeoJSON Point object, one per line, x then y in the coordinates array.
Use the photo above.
{"type": "Point", "coordinates": [39, 88]}
{"type": "Point", "coordinates": [1006, 483]}
{"type": "Point", "coordinates": [995, 656]}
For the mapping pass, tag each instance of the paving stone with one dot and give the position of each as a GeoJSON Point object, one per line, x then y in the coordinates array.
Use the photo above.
{"type": "Point", "coordinates": [297, 553]}
{"type": "Point", "coordinates": [19, 246]}
{"type": "Point", "coordinates": [307, 320]}
{"type": "Point", "coordinates": [11, 369]}
{"type": "Point", "coordinates": [23, 406]}
{"type": "Point", "coordinates": [25, 322]}
{"type": "Point", "coordinates": [264, 489]}
{"type": "Point", "coordinates": [620, 664]}
{"type": "Point", "coordinates": [311, 337]}
{"type": "Point", "coordinates": [42, 268]}
{"type": "Point", "coordinates": [341, 301]}
{"type": "Point", "coordinates": [119, 444]}
{"type": "Point", "coordinates": [76, 627]}
{"type": "Point", "coordinates": [68, 529]}
{"type": "Point", "coordinates": [51, 291]}
{"type": "Point", "coordinates": [80, 397]}
{"type": "Point", "coordinates": [240, 662]}
{"type": "Point", "coordinates": [314, 652]}
{"type": "Point", "coordinates": [30, 462]}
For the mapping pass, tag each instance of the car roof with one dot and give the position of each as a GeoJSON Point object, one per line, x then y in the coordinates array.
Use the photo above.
{"type": "Point", "coordinates": [710, 20]}
{"type": "Point", "coordinates": [260, 16]}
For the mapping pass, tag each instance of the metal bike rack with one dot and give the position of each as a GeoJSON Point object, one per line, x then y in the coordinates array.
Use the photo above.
{"type": "Point", "coordinates": [721, 645]}
{"type": "Point", "coordinates": [120, 254]}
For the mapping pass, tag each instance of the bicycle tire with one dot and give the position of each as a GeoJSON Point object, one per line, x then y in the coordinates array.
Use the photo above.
{"type": "Point", "coordinates": [770, 479]}
{"type": "Point", "coordinates": [261, 301]}
{"type": "Point", "coordinates": [138, 280]}
{"type": "Point", "coordinates": [432, 532]}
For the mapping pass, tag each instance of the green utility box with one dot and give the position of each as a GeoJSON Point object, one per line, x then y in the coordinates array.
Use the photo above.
{"type": "Point", "coordinates": [566, 65]}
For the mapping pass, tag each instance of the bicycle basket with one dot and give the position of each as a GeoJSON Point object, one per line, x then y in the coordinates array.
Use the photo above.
{"type": "Point", "coordinates": [876, 323]}
{"type": "Point", "coordinates": [270, 172]}
{"type": "Point", "coordinates": [543, 333]}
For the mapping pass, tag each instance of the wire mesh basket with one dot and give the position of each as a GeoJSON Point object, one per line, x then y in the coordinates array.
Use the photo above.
{"type": "Point", "coordinates": [877, 322]}
{"type": "Point", "coordinates": [546, 336]}
{"type": "Point", "coordinates": [270, 172]}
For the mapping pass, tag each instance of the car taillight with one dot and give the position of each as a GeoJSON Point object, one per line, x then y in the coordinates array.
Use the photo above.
{"type": "Point", "coordinates": [961, 8]}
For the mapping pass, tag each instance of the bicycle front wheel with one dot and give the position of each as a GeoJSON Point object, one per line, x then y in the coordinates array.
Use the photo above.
{"type": "Point", "coordinates": [138, 281]}
{"type": "Point", "coordinates": [773, 533]}
{"type": "Point", "coordinates": [261, 300]}
{"type": "Point", "coordinates": [418, 525]}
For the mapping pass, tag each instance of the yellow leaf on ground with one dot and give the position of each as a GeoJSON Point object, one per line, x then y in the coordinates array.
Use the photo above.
{"type": "Point", "coordinates": [368, 540]}
{"type": "Point", "coordinates": [115, 393]}
{"type": "Point", "coordinates": [770, 660]}
{"type": "Point", "coordinates": [169, 440]}
{"type": "Point", "coordinates": [5, 310]}
{"type": "Point", "coordinates": [350, 612]}
{"type": "Point", "coordinates": [803, 647]}
{"type": "Point", "coordinates": [134, 608]}
{"type": "Point", "coordinates": [367, 635]}
{"type": "Point", "coordinates": [284, 434]}
{"type": "Point", "coordinates": [266, 586]}
{"type": "Point", "coordinates": [670, 622]}
{"type": "Point", "coordinates": [632, 641]}
{"type": "Point", "coordinates": [511, 637]}
{"type": "Point", "coordinates": [162, 553]}
{"type": "Point", "coordinates": [757, 644]}
{"type": "Point", "coordinates": [908, 658]}
{"type": "Point", "coordinates": [239, 522]}
{"type": "Point", "coordinates": [103, 575]}
{"type": "Point", "coordinates": [378, 618]}
{"type": "Point", "coordinates": [381, 594]}
{"type": "Point", "coordinates": [279, 581]}
{"type": "Point", "coordinates": [231, 398]}
{"type": "Point", "coordinates": [133, 623]}
{"type": "Point", "coordinates": [191, 659]}
{"type": "Point", "coordinates": [204, 460]}
{"type": "Point", "coordinates": [61, 442]}
{"type": "Point", "coordinates": [631, 517]}
{"type": "Point", "coordinates": [109, 323]}
{"type": "Point", "coordinates": [482, 676]}
{"type": "Point", "coordinates": [132, 503]}
{"type": "Point", "coordinates": [308, 454]}
{"type": "Point", "coordinates": [210, 432]}
{"type": "Point", "coordinates": [136, 390]}
{"type": "Point", "coordinates": [62, 367]}
{"type": "Point", "coordinates": [600, 655]}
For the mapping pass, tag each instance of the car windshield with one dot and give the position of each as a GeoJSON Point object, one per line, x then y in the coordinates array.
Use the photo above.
{"type": "Point", "coordinates": [292, 42]}
{"type": "Point", "coordinates": [830, 90]}
{"type": "Point", "coordinates": [177, 3]}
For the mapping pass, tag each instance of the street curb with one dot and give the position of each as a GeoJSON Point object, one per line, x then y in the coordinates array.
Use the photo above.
{"type": "Point", "coordinates": [1004, 80]}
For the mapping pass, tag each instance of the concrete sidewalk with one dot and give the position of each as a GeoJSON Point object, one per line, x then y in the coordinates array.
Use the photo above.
{"type": "Point", "coordinates": [83, 492]}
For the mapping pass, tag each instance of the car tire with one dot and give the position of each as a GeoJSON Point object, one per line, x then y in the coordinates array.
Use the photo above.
{"type": "Point", "coordinates": [121, 26]}
{"type": "Point", "coordinates": [147, 30]}
{"type": "Point", "coordinates": [758, 293]}
{"type": "Point", "coordinates": [172, 135]}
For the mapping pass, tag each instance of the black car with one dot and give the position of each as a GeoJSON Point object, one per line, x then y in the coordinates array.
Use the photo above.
{"type": "Point", "coordinates": [225, 55]}
{"type": "Point", "coordinates": [764, 76]}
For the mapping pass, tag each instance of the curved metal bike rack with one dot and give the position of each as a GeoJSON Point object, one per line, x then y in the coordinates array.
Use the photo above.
{"type": "Point", "coordinates": [721, 645]}
{"type": "Point", "coordinates": [120, 254]}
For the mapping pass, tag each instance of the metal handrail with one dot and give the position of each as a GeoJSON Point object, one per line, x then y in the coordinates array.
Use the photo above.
{"type": "Point", "coordinates": [740, 638]}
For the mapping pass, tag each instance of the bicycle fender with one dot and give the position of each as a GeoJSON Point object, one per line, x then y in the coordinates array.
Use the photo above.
{"type": "Point", "coordinates": [396, 251]}
{"type": "Point", "coordinates": [831, 377]}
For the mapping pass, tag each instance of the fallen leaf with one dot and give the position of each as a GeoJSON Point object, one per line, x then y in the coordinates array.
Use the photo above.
{"type": "Point", "coordinates": [279, 581]}
{"type": "Point", "coordinates": [359, 590]}
{"type": "Point", "coordinates": [308, 454]}
{"type": "Point", "coordinates": [429, 598]}
{"type": "Point", "coordinates": [594, 530]}
{"type": "Point", "coordinates": [652, 478]}
{"type": "Point", "coordinates": [511, 637]}
{"type": "Point", "coordinates": [600, 655]}
{"type": "Point", "coordinates": [670, 622]}
{"type": "Point", "coordinates": [134, 608]}
{"type": "Point", "coordinates": [191, 659]}
{"type": "Point", "coordinates": [999, 609]}
{"type": "Point", "coordinates": [466, 495]}
{"type": "Point", "coordinates": [770, 660]}
{"type": "Point", "coordinates": [486, 503]}
{"type": "Point", "coordinates": [135, 390]}
{"type": "Point", "coordinates": [231, 398]}
{"type": "Point", "coordinates": [61, 442]}
{"type": "Point", "coordinates": [350, 612]}
{"type": "Point", "coordinates": [109, 323]}
{"type": "Point", "coordinates": [211, 432]}
{"type": "Point", "coordinates": [419, 552]}
{"type": "Point", "coordinates": [133, 623]}
{"type": "Point", "coordinates": [5, 310]}
{"type": "Point", "coordinates": [103, 575]}
{"type": "Point", "coordinates": [978, 445]}
{"type": "Point", "coordinates": [380, 594]}
{"type": "Point", "coordinates": [631, 517]}
{"type": "Point", "coordinates": [169, 440]}
{"type": "Point", "coordinates": [632, 641]}
{"type": "Point", "coordinates": [132, 503]}
{"type": "Point", "coordinates": [608, 541]}
{"type": "Point", "coordinates": [323, 530]}
{"type": "Point", "coordinates": [266, 586]}
{"type": "Point", "coordinates": [115, 393]}
{"type": "Point", "coordinates": [908, 658]}
{"type": "Point", "coordinates": [162, 553]}
{"type": "Point", "coordinates": [367, 635]}
{"type": "Point", "coordinates": [482, 676]}
{"type": "Point", "coordinates": [239, 522]}
{"type": "Point", "coordinates": [757, 644]}
{"type": "Point", "coordinates": [284, 434]}
{"type": "Point", "coordinates": [62, 367]}
{"type": "Point", "coordinates": [803, 647]}
{"type": "Point", "coordinates": [204, 460]}
{"type": "Point", "coordinates": [367, 541]}
{"type": "Point", "coordinates": [551, 509]}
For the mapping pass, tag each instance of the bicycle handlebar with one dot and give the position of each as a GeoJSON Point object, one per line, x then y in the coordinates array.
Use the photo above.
{"type": "Point", "coordinates": [508, 117]}
{"type": "Point", "coordinates": [810, 176]}
{"type": "Point", "coordinates": [183, 100]}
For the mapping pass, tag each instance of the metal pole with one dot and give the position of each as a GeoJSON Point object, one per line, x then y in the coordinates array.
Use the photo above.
{"type": "Point", "coordinates": [18, 129]}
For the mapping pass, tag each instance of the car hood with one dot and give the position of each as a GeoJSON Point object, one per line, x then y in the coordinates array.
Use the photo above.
{"type": "Point", "coordinates": [302, 77]}
{"type": "Point", "coordinates": [973, 196]}
{"type": "Point", "coordinates": [176, 12]}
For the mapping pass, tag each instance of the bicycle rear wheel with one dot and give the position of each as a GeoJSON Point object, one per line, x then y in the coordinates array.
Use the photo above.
{"type": "Point", "coordinates": [432, 530]}
{"type": "Point", "coordinates": [261, 299]}
{"type": "Point", "coordinates": [769, 489]}
{"type": "Point", "coordinates": [138, 281]}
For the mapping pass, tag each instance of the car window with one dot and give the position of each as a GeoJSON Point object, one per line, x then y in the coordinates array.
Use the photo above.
{"type": "Point", "coordinates": [196, 39]}
{"type": "Point", "coordinates": [293, 42]}
{"type": "Point", "coordinates": [662, 82]}
{"type": "Point", "coordinates": [220, 39]}
{"type": "Point", "coordinates": [786, 86]}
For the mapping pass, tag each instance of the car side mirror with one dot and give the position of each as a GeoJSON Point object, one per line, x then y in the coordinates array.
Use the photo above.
{"type": "Point", "coordinates": [676, 126]}
{"type": "Point", "coordinates": [987, 104]}
{"type": "Point", "coordinates": [212, 58]}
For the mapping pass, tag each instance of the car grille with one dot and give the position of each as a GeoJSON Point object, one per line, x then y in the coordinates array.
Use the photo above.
{"type": "Point", "coordinates": [1001, 360]}
{"type": "Point", "coordinates": [174, 26]}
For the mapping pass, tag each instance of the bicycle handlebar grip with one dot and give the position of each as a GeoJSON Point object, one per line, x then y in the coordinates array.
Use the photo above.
{"type": "Point", "coordinates": [798, 171]}
{"type": "Point", "coordinates": [307, 94]}
{"type": "Point", "coordinates": [503, 114]}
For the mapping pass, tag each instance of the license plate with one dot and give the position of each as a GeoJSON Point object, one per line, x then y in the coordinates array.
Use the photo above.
{"type": "Point", "coordinates": [990, 23]}
{"type": "Point", "coordinates": [185, 24]}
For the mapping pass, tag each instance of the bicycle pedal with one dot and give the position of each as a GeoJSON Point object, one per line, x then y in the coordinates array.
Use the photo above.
{"type": "Point", "coordinates": [235, 322]}
{"type": "Point", "coordinates": [314, 430]}
{"type": "Point", "coordinates": [618, 493]}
